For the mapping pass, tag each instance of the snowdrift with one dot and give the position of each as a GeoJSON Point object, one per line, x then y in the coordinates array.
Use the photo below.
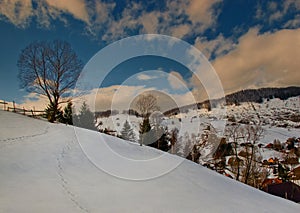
{"type": "Point", "coordinates": [47, 168]}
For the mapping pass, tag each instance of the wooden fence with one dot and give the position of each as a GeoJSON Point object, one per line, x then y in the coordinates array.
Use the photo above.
{"type": "Point", "coordinates": [4, 104]}
{"type": "Point", "coordinates": [28, 112]}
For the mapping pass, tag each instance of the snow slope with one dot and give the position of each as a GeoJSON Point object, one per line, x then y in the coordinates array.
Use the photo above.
{"type": "Point", "coordinates": [273, 114]}
{"type": "Point", "coordinates": [43, 168]}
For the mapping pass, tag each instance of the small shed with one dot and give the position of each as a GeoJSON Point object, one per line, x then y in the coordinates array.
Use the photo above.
{"type": "Point", "coordinates": [287, 190]}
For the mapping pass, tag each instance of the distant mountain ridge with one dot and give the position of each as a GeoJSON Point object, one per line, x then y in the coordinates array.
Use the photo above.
{"type": "Point", "coordinates": [257, 95]}
{"type": "Point", "coordinates": [248, 95]}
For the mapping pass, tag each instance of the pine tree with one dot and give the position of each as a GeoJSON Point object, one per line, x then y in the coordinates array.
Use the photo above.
{"type": "Point", "coordinates": [53, 113]}
{"type": "Point", "coordinates": [67, 116]}
{"type": "Point", "coordinates": [86, 118]}
{"type": "Point", "coordinates": [160, 138]}
{"type": "Point", "coordinates": [156, 136]}
{"type": "Point", "coordinates": [127, 132]}
{"type": "Point", "coordinates": [163, 143]}
{"type": "Point", "coordinates": [145, 134]}
{"type": "Point", "coordinates": [283, 172]}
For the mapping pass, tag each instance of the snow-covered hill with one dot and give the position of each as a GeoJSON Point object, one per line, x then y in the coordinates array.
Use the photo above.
{"type": "Point", "coordinates": [44, 169]}
{"type": "Point", "coordinates": [278, 118]}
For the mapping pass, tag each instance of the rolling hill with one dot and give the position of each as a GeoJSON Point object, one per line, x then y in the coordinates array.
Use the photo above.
{"type": "Point", "coordinates": [57, 168]}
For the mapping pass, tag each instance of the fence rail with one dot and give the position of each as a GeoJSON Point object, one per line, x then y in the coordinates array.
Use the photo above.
{"type": "Point", "coordinates": [4, 104]}
{"type": "Point", "coordinates": [28, 112]}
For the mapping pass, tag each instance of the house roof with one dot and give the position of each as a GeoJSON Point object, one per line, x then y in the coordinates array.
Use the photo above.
{"type": "Point", "coordinates": [269, 145]}
{"type": "Point", "coordinates": [271, 160]}
{"type": "Point", "coordinates": [288, 190]}
{"type": "Point", "coordinates": [269, 181]}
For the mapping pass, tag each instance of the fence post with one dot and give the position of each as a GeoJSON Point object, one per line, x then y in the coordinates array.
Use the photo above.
{"type": "Point", "coordinates": [14, 106]}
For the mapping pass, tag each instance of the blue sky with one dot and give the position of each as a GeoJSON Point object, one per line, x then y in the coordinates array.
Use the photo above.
{"type": "Point", "coordinates": [249, 43]}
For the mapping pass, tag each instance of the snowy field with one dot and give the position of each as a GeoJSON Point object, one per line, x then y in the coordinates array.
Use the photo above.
{"type": "Point", "coordinates": [56, 168]}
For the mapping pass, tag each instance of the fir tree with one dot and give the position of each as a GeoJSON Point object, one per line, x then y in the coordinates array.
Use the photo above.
{"type": "Point", "coordinates": [145, 135]}
{"type": "Point", "coordinates": [127, 132]}
{"type": "Point", "coordinates": [67, 116]}
{"type": "Point", "coordinates": [86, 118]}
{"type": "Point", "coordinates": [283, 173]}
{"type": "Point", "coordinates": [68, 113]}
{"type": "Point", "coordinates": [160, 138]}
{"type": "Point", "coordinates": [53, 113]}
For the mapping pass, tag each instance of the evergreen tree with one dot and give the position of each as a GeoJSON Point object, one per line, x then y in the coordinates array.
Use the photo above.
{"type": "Point", "coordinates": [127, 132]}
{"type": "Point", "coordinates": [53, 113]}
{"type": "Point", "coordinates": [86, 118]}
{"type": "Point", "coordinates": [283, 173]}
{"type": "Point", "coordinates": [155, 136]}
{"type": "Point", "coordinates": [160, 138]}
{"type": "Point", "coordinates": [68, 113]}
{"type": "Point", "coordinates": [67, 116]}
{"type": "Point", "coordinates": [145, 134]}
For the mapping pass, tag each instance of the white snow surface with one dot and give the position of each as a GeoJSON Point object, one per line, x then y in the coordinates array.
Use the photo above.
{"type": "Point", "coordinates": [43, 168]}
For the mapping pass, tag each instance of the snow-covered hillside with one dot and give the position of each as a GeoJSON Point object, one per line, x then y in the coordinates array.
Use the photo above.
{"type": "Point", "coordinates": [278, 118]}
{"type": "Point", "coordinates": [44, 169]}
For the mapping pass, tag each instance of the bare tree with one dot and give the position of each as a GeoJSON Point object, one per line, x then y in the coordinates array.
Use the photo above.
{"type": "Point", "coordinates": [50, 69]}
{"type": "Point", "coordinates": [235, 135]}
{"type": "Point", "coordinates": [252, 134]}
{"type": "Point", "coordinates": [174, 141]}
{"type": "Point", "coordinates": [146, 104]}
{"type": "Point", "coordinates": [245, 139]}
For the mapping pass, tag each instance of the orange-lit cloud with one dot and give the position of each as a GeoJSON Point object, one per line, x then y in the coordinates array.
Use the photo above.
{"type": "Point", "coordinates": [261, 60]}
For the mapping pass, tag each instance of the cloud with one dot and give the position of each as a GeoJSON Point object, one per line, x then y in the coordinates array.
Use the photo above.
{"type": "Point", "coordinates": [18, 12]}
{"type": "Point", "coordinates": [277, 11]}
{"type": "Point", "coordinates": [181, 30]}
{"type": "Point", "coordinates": [150, 22]}
{"type": "Point", "coordinates": [33, 101]}
{"type": "Point", "coordinates": [261, 60]}
{"type": "Point", "coordinates": [176, 81]}
{"type": "Point", "coordinates": [102, 11]}
{"type": "Point", "coordinates": [117, 28]}
{"type": "Point", "coordinates": [122, 97]}
{"type": "Point", "coordinates": [202, 12]}
{"type": "Point", "coordinates": [116, 97]}
{"type": "Point", "coordinates": [180, 18]}
{"type": "Point", "coordinates": [76, 8]}
{"type": "Point", "coordinates": [291, 3]}
{"type": "Point", "coordinates": [21, 12]}
{"type": "Point", "coordinates": [217, 47]}
{"type": "Point", "coordinates": [145, 77]}
{"type": "Point", "coordinates": [293, 23]}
